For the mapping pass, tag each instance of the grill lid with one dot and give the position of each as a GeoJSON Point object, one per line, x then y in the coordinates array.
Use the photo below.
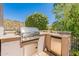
{"type": "Point", "coordinates": [29, 31]}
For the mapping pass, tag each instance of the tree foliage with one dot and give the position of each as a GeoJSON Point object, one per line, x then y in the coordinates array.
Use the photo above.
{"type": "Point", "coordinates": [37, 20]}
{"type": "Point", "coordinates": [68, 18]}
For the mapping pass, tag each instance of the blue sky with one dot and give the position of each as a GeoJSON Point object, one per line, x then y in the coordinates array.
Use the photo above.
{"type": "Point", "coordinates": [19, 11]}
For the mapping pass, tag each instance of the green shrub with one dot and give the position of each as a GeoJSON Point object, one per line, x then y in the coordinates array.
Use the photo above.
{"type": "Point", "coordinates": [74, 52]}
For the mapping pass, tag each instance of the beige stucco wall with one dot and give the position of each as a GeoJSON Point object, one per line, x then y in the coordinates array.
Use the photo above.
{"type": "Point", "coordinates": [1, 15]}
{"type": "Point", "coordinates": [11, 49]}
{"type": "Point", "coordinates": [56, 45]}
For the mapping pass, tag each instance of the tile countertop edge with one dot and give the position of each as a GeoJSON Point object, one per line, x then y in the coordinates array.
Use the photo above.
{"type": "Point", "coordinates": [4, 38]}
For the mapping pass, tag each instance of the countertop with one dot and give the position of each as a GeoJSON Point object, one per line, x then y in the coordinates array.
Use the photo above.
{"type": "Point", "coordinates": [9, 37]}
{"type": "Point", "coordinates": [54, 34]}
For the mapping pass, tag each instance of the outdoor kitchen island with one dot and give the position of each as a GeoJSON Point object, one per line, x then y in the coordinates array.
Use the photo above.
{"type": "Point", "coordinates": [10, 45]}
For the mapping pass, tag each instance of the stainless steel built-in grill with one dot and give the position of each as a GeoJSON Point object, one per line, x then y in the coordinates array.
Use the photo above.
{"type": "Point", "coordinates": [28, 32]}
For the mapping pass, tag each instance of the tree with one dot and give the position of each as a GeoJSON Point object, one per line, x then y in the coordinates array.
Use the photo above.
{"type": "Point", "coordinates": [55, 26]}
{"type": "Point", "coordinates": [62, 12]}
{"type": "Point", "coordinates": [37, 20]}
{"type": "Point", "coordinates": [70, 19]}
